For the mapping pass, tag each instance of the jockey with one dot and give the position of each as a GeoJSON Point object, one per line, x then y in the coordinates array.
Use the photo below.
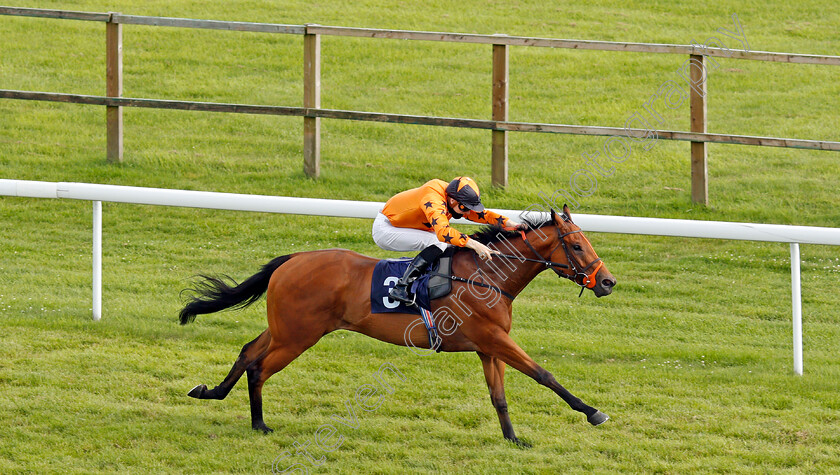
{"type": "Point", "coordinates": [418, 220]}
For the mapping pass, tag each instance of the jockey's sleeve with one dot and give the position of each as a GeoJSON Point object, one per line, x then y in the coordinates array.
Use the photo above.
{"type": "Point", "coordinates": [489, 217]}
{"type": "Point", "coordinates": [437, 221]}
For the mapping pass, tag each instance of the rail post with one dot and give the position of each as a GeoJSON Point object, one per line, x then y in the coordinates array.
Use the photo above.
{"type": "Point", "coordinates": [311, 99]}
{"type": "Point", "coordinates": [97, 261]}
{"type": "Point", "coordinates": [499, 155]}
{"type": "Point", "coordinates": [699, 168]}
{"type": "Point", "coordinates": [113, 88]}
{"type": "Point", "coordinates": [796, 298]}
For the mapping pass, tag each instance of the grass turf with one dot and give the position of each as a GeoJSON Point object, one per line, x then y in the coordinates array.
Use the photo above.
{"type": "Point", "coordinates": [691, 356]}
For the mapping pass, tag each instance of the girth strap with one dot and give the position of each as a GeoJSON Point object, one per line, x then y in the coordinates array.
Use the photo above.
{"type": "Point", "coordinates": [435, 341]}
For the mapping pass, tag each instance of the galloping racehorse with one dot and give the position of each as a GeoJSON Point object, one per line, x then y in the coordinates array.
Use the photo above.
{"type": "Point", "coordinates": [299, 317]}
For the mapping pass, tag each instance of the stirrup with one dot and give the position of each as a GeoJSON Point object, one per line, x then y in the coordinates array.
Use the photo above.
{"type": "Point", "coordinates": [409, 299]}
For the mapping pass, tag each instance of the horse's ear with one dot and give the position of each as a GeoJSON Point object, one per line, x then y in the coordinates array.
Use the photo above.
{"type": "Point", "coordinates": [567, 214]}
{"type": "Point", "coordinates": [553, 215]}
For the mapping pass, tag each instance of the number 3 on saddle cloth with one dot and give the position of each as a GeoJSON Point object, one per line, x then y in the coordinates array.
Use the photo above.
{"type": "Point", "coordinates": [434, 283]}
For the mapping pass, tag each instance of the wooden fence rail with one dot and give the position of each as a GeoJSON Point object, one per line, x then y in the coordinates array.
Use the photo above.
{"type": "Point", "coordinates": [416, 119]}
{"type": "Point", "coordinates": [499, 125]}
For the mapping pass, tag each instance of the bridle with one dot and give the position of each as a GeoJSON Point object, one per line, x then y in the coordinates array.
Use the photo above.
{"type": "Point", "coordinates": [581, 276]}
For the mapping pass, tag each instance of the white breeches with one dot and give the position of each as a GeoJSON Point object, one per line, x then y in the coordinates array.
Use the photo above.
{"type": "Point", "coordinates": [392, 238]}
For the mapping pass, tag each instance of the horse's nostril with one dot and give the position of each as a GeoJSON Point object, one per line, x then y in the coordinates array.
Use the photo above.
{"type": "Point", "coordinates": [608, 283]}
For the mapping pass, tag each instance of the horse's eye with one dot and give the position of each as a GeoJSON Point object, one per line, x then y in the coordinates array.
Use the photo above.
{"type": "Point", "coordinates": [577, 247]}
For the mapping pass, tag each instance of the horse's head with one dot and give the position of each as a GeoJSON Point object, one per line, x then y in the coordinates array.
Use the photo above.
{"type": "Point", "coordinates": [572, 248]}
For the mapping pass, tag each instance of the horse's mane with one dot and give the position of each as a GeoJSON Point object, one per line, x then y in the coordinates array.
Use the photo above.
{"type": "Point", "coordinates": [492, 234]}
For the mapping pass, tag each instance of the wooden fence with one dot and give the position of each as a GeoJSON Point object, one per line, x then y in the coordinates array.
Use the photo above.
{"type": "Point", "coordinates": [499, 125]}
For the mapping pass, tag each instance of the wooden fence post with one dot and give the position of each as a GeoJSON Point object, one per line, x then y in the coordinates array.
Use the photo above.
{"type": "Point", "coordinates": [113, 88]}
{"type": "Point", "coordinates": [699, 169]}
{"type": "Point", "coordinates": [499, 166]}
{"type": "Point", "coordinates": [311, 99]}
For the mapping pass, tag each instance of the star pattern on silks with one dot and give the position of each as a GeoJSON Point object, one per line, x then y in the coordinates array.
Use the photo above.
{"type": "Point", "coordinates": [463, 236]}
{"type": "Point", "coordinates": [427, 224]}
{"type": "Point", "coordinates": [500, 221]}
{"type": "Point", "coordinates": [443, 212]}
{"type": "Point", "coordinates": [434, 222]}
{"type": "Point", "coordinates": [447, 238]}
{"type": "Point", "coordinates": [481, 214]}
{"type": "Point", "coordinates": [427, 204]}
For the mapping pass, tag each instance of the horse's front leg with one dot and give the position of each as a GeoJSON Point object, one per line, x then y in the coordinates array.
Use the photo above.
{"type": "Point", "coordinates": [500, 345]}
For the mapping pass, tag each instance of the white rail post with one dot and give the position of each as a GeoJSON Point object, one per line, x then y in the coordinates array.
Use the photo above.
{"type": "Point", "coordinates": [97, 260]}
{"type": "Point", "coordinates": [796, 296]}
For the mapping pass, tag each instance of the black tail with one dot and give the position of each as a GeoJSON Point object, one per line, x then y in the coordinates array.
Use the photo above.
{"type": "Point", "coordinates": [214, 293]}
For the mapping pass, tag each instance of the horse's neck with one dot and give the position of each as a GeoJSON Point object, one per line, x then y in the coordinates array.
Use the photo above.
{"type": "Point", "coordinates": [514, 275]}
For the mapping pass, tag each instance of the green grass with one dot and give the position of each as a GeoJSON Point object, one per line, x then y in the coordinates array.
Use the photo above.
{"type": "Point", "coordinates": [691, 356]}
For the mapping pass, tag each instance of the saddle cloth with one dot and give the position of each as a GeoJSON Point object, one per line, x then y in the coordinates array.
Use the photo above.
{"type": "Point", "coordinates": [433, 284]}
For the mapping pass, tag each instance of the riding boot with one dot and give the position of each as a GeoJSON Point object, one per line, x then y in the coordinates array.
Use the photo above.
{"type": "Point", "coordinates": [415, 269]}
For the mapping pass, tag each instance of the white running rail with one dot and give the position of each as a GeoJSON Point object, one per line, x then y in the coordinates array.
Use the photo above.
{"type": "Point", "coordinates": [794, 235]}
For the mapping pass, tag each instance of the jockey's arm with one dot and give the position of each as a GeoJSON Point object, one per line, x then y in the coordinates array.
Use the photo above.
{"type": "Point", "coordinates": [484, 252]}
{"type": "Point", "coordinates": [493, 218]}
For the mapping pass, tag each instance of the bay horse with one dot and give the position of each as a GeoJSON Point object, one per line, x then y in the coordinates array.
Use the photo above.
{"type": "Point", "coordinates": [312, 293]}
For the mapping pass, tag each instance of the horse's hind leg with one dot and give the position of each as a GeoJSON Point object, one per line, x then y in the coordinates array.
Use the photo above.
{"type": "Point", "coordinates": [274, 360]}
{"type": "Point", "coordinates": [250, 353]}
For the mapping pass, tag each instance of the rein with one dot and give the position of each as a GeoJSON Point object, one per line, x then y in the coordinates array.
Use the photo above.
{"type": "Point", "coordinates": [580, 277]}
{"type": "Point", "coordinates": [541, 261]}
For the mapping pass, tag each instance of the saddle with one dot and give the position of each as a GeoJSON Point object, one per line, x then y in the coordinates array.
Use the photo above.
{"type": "Point", "coordinates": [433, 284]}
{"type": "Point", "coordinates": [436, 281]}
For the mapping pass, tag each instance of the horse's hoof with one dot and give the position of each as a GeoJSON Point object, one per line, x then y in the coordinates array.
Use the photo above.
{"type": "Point", "coordinates": [598, 418]}
{"type": "Point", "coordinates": [521, 443]}
{"type": "Point", "coordinates": [262, 427]}
{"type": "Point", "coordinates": [197, 391]}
